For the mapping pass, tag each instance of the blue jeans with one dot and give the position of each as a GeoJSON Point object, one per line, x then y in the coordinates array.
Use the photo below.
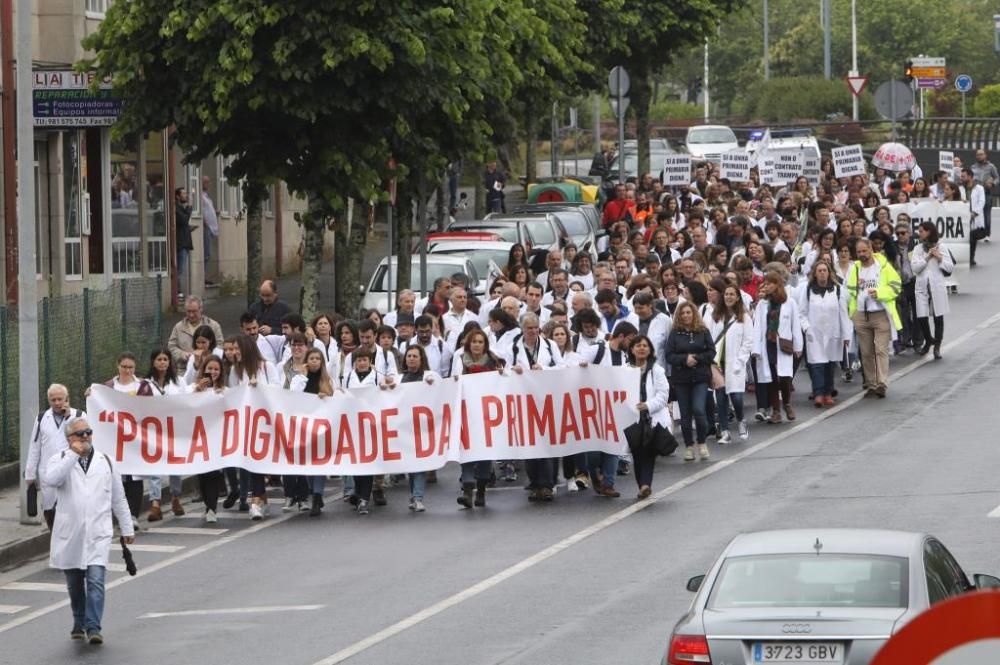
{"type": "Point", "coordinates": [722, 400]}
{"type": "Point", "coordinates": [822, 378]}
{"type": "Point", "coordinates": [208, 242]}
{"type": "Point", "coordinates": [86, 597]}
{"type": "Point", "coordinates": [691, 399]}
{"type": "Point", "coordinates": [608, 464]}
{"type": "Point", "coordinates": [156, 489]}
{"type": "Point", "coordinates": [418, 481]}
{"type": "Point", "coordinates": [317, 484]}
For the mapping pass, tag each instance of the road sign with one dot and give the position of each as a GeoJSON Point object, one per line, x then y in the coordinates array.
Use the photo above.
{"type": "Point", "coordinates": [923, 61]}
{"type": "Point", "coordinates": [939, 634]}
{"type": "Point", "coordinates": [963, 83]}
{"type": "Point", "coordinates": [932, 84]}
{"type": "Point", "coordinates": [893, 100]}
{"type": "Point", "coordinates": [857, 84]}
{"type": "Point", "coordinates": [618, 76]}
{"type": "Point", "coordinates": [624, 106]}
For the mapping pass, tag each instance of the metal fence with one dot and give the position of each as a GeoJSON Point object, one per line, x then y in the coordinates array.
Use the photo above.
{"type": "Point", "coordinates": [79, 339]}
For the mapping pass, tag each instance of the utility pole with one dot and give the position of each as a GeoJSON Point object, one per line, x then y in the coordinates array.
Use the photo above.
{"type": "Point", "coordinates": [27, 296]}
{"type": "Point", "coordinates": [827, 29]}
{"type": "Point", "coordinates": [597, 124]}
{"type": "Point", "coordinates": [854, 56]}
{"type": "Point", "coordinates": [704, 87]}
{"type": "Point", "coordinates": [767, 47]}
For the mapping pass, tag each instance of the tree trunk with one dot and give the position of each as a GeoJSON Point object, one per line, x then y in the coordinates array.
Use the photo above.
{"type": "Point", "coordinates": [254, 194]}
{"type": "Point", "coordinates": [641, 94]}
{"type": "Point", "coordinates": [421, 228]}
{"type": "Point", "coordinates": [439, 205]}
{"type": "Point", "coordinates": [350, 256]}
{"type": "Point", "coordinates": [313, 223]}
{"type": "Point", "coordinates": [531, 139]}
{"type": "Point", "coordinates": [480, 196]}
{"type": "Point", "coordinates": [404, 240]}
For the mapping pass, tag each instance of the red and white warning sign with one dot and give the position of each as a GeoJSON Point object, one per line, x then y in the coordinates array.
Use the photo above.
{"type": "Point", "coordinates": [857, 84]}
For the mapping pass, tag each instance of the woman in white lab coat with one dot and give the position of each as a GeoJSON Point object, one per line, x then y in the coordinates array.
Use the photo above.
{"type": "Point", "coordinates": [930, 261]}
{"type": "Point", "coordinates": [731, 327]}
{"type": "Point", "coordinates": [828, 330]}
{"type": "Point", "coordinates": [776, 320]}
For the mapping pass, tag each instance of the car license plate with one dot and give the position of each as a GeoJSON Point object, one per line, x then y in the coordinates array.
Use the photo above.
{"type": "Point", "coordinates": [800, 653]}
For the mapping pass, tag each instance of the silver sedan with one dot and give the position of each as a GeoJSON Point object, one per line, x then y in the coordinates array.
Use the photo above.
{"type": "Point", "coordinates": [813, 597]}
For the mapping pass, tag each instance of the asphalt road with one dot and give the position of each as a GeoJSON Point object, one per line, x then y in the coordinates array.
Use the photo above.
{"type": "Point", "coordinates": [580, 580]}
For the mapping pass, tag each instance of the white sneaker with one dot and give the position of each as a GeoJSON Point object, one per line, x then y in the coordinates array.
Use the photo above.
{"type": "Point", "coordinates": [761, 415]}
{"type": "Point", "coordinates": [362, 507]}
{"type": "Point", "coordinates": [418, 506]}
{"type": "Point", "coordinates": [210, 517]}
{"type": "Point", "coordinates": [688, 453]}
{"type": "Point", "coordinates": [571, 485]}
{"type": "Point", "coordinates": [725, 437]}
{"type": "Point", "coordinates": [744, 431]}
{"type": "Point", "coordinates": [289, 505]}
{"type": "Point", "coordinates": [256, 514]}
{"type": "Point", "coordinates": [703, 451]}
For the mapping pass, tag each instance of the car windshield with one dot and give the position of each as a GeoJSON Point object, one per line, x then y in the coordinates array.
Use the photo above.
{"type": "Point", "coordinates": [574, 222]}
{"type": "Point", "coordinates": [506, 233]}
{"type": "Point", "coordinates": [720, 135]}
{"type": "Point", "coordinates": [541, 231]}
{"type": "Point", "coordinates": [810, 580]}
{"type": "Point", "coordinates": [480, 257]}
{"type": "Point", "coordinates": [434, 270]}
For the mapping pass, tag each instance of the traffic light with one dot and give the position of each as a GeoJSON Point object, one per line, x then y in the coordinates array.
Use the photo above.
{"type": "Point", "coordinates": [908, 71]}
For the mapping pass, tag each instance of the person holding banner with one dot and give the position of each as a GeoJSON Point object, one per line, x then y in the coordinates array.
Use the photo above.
{"type": "Point", "coordinates": [313, 379]}
{"type": "Point", "coordinates": [477, 358]}
{"type": "Point", "coordinates": [211, 378]}
{"type": "Point", "coordinates": [292, 371]}
{"type": "Point", "coordinates": [654, 393]}
{"type": "Point", "coordinates": [931, 265]}
{"type": "Point", "coordinates": [161, 379]}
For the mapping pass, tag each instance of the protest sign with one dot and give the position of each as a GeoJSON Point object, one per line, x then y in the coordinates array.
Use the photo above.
{"type": "Point", "coordinates": [848, 161]}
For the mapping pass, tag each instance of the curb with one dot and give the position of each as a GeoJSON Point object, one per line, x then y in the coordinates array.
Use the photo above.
{"type": "Point", "coordinates": [15, 553]}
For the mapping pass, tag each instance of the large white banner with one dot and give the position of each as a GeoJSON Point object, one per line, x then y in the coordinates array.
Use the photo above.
{"type": "Point", "coordinates": [414, 427]}
{"type": "Point", "coordinates": [952, 218]}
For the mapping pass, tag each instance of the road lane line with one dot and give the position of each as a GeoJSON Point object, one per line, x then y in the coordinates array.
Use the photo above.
{"type": "Point", "coordinates": [12, 609]}
{"type": "Point", "coordinates": [995, 512]}
{"type": "Point", "coordinates": [234, 610]}
{"type": "Point", "coordinates": [33, 586]}
{"type": "Point", "coordinates": [144, 547]}
{"type": "Point", "coordinates": [186, 531]}
{"type": "Point", "coordinates": [615, 518]}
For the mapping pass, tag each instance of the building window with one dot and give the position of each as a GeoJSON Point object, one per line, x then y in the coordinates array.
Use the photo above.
{"type": "Point", "coordinates": [154, 211]}
{"type": "Point", "coordinates": [72, 181]}
{"type": "Point", "coordinates": [126, 232]}
{"type": "Point", "coordinates": [98, 7]}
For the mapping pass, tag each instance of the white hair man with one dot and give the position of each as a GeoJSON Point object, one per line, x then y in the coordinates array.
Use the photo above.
{"type": "Point", "coordinates": [48, 437]}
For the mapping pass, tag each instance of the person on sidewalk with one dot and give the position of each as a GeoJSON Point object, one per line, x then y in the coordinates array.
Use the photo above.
{"type": "Point", "coordinates": [211, 219]}
{"type": "Point", "coordinates": [89, 491]}
{"type": "Point", "coordinates": [185, 245]}
{"type": "Point", "coordinates": [48, 438]}
{"type": "Point", "coordinates": [872, 288]}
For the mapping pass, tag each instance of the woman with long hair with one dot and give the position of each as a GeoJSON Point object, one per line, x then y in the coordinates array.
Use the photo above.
{"type": "Point", "coordinates": [346, 334]}
{"type": "Point", "coordinates": [777, 341]}
{"type": "Point", "coordinates": [161, 379]}
{"type": "Point", "coordinates": [731, 327]}
{"type": "Point", "coordinates": [312, 378]}
{"type": "Point", "coordinates": [690, 353]}
{"type": "Point", "coordinates": [323, 335]}
{"type": "Point", "coordinates": [517, 256]}
{"type": "Point", "coordinates": [211, 378]}
{"type": "Point", "coordinates": [931, 265]}
{"type": "Point", "coordinates": [827, 328]}
{"type": "Point", "coordinates": [476, 359]}
{"type": "Point", "coordinates": [520, 275]}
{"type": "Point", "coordinates": [654, 393]}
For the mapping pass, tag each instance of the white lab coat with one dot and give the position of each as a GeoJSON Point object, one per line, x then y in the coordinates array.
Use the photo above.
{"type": "Point", "coordinates": [548, 354]}
{"type": "Point", "coordinates": [825, 323]}
{"type": "Point", "coordinates": [658, 332]}
{"type": "Point", "coordinates": [47, 439]}
{"type": "Point", "coordinates": [788, 328]}
{"type": "Point", "coordinates": [739, 346]}
{"type": "Point", "coordinates": [930, 286]}
{"type": "Point", "coordinates": [657, 394]}
{"type": "Point", "coordinates": [266, 376]}
{"type": "Point", "coordinates": [190, 373]}
{"type": "Point", "coordinates": [82, 533]}
{"type": "Point", "coordinates": [977, 204]}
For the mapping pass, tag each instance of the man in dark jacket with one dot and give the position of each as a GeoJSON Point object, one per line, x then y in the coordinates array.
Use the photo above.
{"type": "Point", "coordinates": [182, 227]}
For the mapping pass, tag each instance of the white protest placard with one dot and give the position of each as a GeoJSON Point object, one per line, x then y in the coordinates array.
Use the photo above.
{"type": "Point", "coordinates": [366, 431]}
{"type": "Point", "coordinates": [810, 169]}
{"type": "Point", "coordinates": [768, 175]}
{"type": "Point", "coordinates": [946, 163]}
{"type": "Point", "coordinates": [848, 161]}
{"type": "Point", "coordinates": [676, 170]}
{"type": "Point", "coordinates": [788, 166]}
{"type": "Point", "coordinates": [736, 165]}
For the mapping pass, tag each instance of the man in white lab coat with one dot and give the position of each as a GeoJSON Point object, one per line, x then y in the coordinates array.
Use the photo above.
{"type": "Point", "coordinates": [88, 491]}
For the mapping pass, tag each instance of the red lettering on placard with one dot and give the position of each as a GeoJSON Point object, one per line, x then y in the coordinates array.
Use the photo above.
{"type": "Point", "coordinates": [171, 457]}
{"type": "Point", "coordinates": [126, 433]}
{"type": "Point", "coordinates": [388, 435]}
{"type": "Point", "coordinates": [610, 426]}
{"type": "Point", "coordinates": [512, 425]}
{"type": "Point", "coordinates": [345, 442]}
{"type": "Point", "coordinates": [230, 431]}
{"type": "Point", "coordinates": [444, 441]}
{"type": "Point", "coordinates": [464, 432]}
{"type": "Point", "coordinates": [260, 439]}
{"type": "Point", "coordinates": [284, 438]}
{"type": "Point", "coordinates": [569, 424]}
{"type": "Point", "coordinates": [247, 440]}
{"type": "Point", "coordinates": [541, 422]}
{"type": "Point", "coordinates": [322, 442]}
{"type": "Point", "coordinates": [423, 417]}
{"type": "Point", "coordinates": [150, 454]}
{"type": "Point", "coordinates": [492, 409]}
{"type": "Point", "coordinates": [199, 441]}
{"type": "Point", "coordinates": [588, 412]}
{"type": "Point", "coordinates": [303, 438]}
{"type": "Point", "coordinates": [367, 437]}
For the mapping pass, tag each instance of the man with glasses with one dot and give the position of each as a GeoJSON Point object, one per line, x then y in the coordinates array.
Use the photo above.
{"type": "Point", "coordinates": [89, 491]}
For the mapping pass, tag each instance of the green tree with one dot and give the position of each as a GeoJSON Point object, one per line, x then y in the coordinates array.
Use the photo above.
{"type": "Point", "coordinates": [987, 102]}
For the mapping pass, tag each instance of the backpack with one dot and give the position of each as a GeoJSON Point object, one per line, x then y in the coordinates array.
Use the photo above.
{"type": "Point", "coordinates": [38, 424]}
{"type": "Point", "coordinates": [548, 346]}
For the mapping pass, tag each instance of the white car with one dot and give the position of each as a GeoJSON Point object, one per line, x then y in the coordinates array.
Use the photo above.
{"type": "Point", "coordinates": [709, 142]}
{"type": "Point", "coordinates": [440, 265]}
{"type": "Point", "coordinates": [487, 256]}
{"type": "Point", "coordinates": [786, 140]}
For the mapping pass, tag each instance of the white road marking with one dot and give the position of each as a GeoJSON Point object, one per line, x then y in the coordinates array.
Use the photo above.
{"type": "Point", "coordinates": [234, 610]}
{"type": "Point", "coordinates": [33, 586]}
{"type": "Point", "coordinates": [994, 513]}
{"type": "Point", "coordinates": [12, 609]}
{"type": "Point", "coordinates": [144, 547]}
{"type": "Point", "coordinates": [186, 531]}
{"type": "Point", "coordinates": [223, 514]}
{"type": "Point", "coordinates": [615, 518]}
{"type": "Point", "coordinates": [115, 567]}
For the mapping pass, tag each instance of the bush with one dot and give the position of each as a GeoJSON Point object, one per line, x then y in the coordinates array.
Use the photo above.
{"type": "Point", "coordinates": [987, 102]}
{"type": "Point", "coordinates": [799, 98]}
{"type": "Point", "coordinates": [671, 109]}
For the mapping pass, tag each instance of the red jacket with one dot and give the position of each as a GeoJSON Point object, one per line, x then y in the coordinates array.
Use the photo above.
{"type": "Point", "coordinates": [616, 210]}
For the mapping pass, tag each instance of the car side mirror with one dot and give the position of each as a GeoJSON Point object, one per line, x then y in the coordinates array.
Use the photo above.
{"type": "Point", "coordinates": [695, 583]}
{"type": "Point", "coordinates": [986, 582]}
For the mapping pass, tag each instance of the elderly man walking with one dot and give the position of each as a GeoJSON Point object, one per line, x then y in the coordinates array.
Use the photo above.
{"type": "Point", "coordinates": [88, 492]}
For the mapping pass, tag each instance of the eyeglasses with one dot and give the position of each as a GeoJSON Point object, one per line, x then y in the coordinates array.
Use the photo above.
{"type": "Point", "coordinates": [82, 433]}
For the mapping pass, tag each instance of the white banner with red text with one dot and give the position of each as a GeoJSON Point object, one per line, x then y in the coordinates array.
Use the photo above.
{"type": "Point", "coordinates": [367, 431]}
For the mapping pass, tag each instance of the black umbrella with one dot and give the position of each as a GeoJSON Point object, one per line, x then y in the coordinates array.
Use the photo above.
{"type": "Point", "coordinates": [127, 555]}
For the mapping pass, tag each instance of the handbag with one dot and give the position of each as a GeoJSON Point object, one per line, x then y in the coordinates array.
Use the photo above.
{"type": "Point", "coordinates": [643, 435]}
{"type": "Point", "coordinates": [718, 378]}
{"type": "Point", "coordinates": [978, 234]}
{"type": "Point", "coordinates": [786, 345]}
